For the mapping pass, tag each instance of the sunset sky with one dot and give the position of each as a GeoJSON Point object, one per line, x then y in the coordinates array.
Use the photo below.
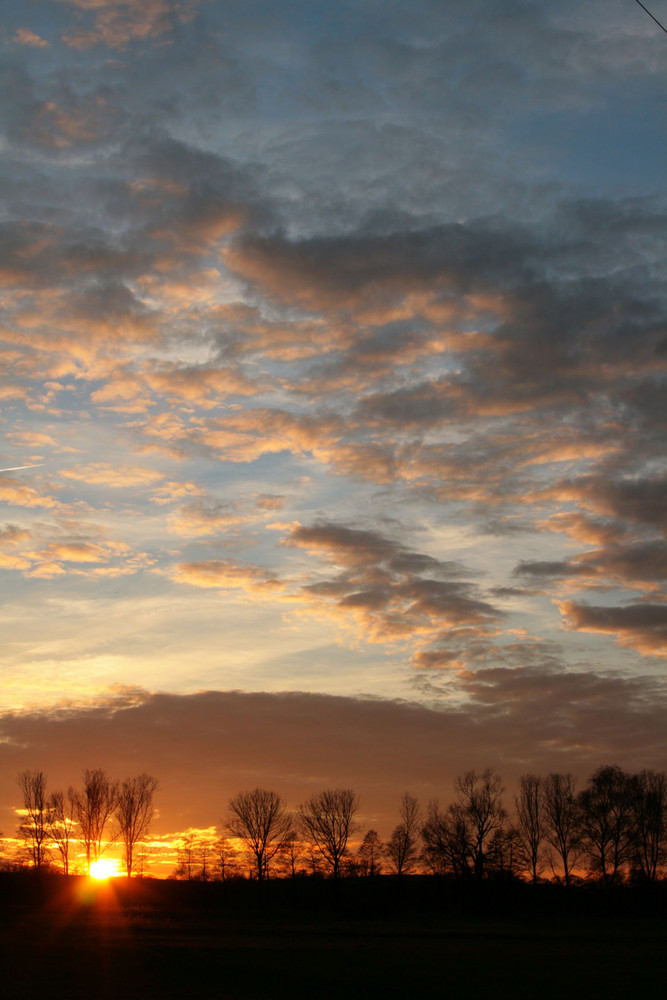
{"type": "Point", "coordinates": [334, 333]}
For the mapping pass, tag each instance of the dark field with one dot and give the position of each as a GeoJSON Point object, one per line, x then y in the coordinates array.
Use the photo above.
{"type": "Point", "coordinates": [362, 938]}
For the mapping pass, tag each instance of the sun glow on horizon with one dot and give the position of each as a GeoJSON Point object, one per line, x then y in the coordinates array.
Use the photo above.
{"type": "Point", "coordinates": [104, 868]}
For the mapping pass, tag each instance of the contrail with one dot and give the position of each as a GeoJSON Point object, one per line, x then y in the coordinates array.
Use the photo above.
{"type": "Point", "coordinates": [17, 468]}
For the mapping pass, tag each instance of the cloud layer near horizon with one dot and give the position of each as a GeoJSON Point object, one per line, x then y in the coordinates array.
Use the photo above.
{"type": "Point", "coordinates": [206, 747]}
{"type": "Point", "coordinates": [341, 338]}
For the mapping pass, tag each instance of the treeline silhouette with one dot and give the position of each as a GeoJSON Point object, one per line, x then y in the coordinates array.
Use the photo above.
{"type": "Point", "coordinates": [101, 813]}
{"type": "Point", "coordinates": [612, 831]}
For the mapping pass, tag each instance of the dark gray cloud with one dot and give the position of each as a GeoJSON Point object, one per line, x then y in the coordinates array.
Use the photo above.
{"type": "Point", "coordinates": [641, 626]}
{"type": "Point", "coordinates": [640, 500]}
{"type": "Point", "coordinates": [641, 565]}
{"type": "Point", "coordinates": [394, 593]}
{"type": "Point", "coordinates": [546, 570]}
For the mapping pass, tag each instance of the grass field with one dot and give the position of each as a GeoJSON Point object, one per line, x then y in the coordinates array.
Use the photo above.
{"type": "Point", "coordinates": [164, 941]}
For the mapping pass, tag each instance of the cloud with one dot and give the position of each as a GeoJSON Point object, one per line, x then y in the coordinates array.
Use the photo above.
{"type": "Point", "coordinates": [24, 36]}
{"type": "Point", "coordinates": [221, 575]}
{"type": "Point", "coordinates": [640, 500]}
{"type": "Point", "coordinates": [117, 23]}
{"type": "Point", "coordinates": [361, 272]}
{"type": "Point", "coordinates": [204, 386]}
{"type": "Point", "coordinates": [106, 559]}
{"type": "Point", "coordinates": [389, 592]}
{"type": "Point", "coordinates": [11, 534]}
{"type": "Point", "coordinates": [269, 502]}
{"type": "Point", "coordinates": [82, 552]}
{"type": "Point", "coordinates": [207, 746]}
{"type": "Point", "coordinates": [116, 477]}
{"type": "Point", "coordinates": [31, 439]}
{"type": "Point", "coordinates": [17, 494]}
{"type": "Point", "coordinates": [641, 566]}
{"type": "Point", "coordinates": [13, 561]}
{"type": "Point", "coordinates": [575, 707]}
{"type": "Point", "coordinates": [246, 436]}
{"type": "Point", "coordinates": [204, 517]}
{"type": "Point", "coordinates": [354, 273]}
{"type": "Point", "coordinates": [641, 626]}
{"type": "Point", "coordinates": [65, 547]}
{"type": "Point", "coordinates": [367, 582]}
{"type": "Point", "coordinates": [174, 491]}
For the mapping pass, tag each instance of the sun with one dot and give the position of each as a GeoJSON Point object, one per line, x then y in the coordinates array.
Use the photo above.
{"type": "Point", "coordinates": [103, 868]}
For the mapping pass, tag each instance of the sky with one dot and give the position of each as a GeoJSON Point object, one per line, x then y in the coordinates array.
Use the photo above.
{"type": "Point", "coordinates": [333, 337]}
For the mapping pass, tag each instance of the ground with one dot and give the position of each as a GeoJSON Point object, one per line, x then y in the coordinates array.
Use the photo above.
{"type": "Point", "coordinates": [171, 940]}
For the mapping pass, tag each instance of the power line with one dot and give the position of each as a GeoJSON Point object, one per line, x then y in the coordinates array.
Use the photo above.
{"type": "Point", "coordinates": [651, 15]}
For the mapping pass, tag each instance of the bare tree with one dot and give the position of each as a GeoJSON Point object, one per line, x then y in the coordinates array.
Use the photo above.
{"type": "Point", "coordinates": [94, 808]}
{"type": "Point", "coordinates": [403, 846]}
{"type": "Point", "coordinates": [447, 840]}
{"type": "Point", "coordinates": [61, 823]}
{"type": "Point", "coordinates": [315, 865]}
{"type": "Point", "coordinates": [327, 820]}
{"type": "Point", "coordinates": [189, 859]}
{"type": "Point", "coordinates": [292, 857]}
{"type": "Point", "coordinates": [260, 819]}
{"type": "Point", "coordinates": [142, 860]}
{"type": "Point", "coordinates": [226, 859]}
{"type": "Point", "coordinates": [480, 797]}
{"type": "Point", "coordinates": [207, 869]}
{"type": "Point", "coordinates": [530, 817]}
{"type": "Point", "coordinates": [134, 812]}
{"type": "Point", "coordinates": [34, 821]}
{"type": "Point", "coordinates": [504, 852]}
{"type": "Point", "coordinates": [561, 813]}
{"type": "Point", "coordinates": [648, 791]}
{"type": "Point", "coordinates": [605, 821]}
{"type": "Point", "coordinates": [370, 854]}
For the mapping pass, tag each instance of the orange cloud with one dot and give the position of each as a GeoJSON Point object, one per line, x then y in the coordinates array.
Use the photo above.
{"type": "Point", "coordinates": [117, 477]}
{"type": "Point", "coordinates": [269, 502]}
{"type": "Point", "coordinates": [85, 552]}
{"type": "Point", "coordinates": [24, 36]}
{"type": "Point", "coordinates": [582, 528]}
{"type": "Point", "coordinates": [85, 121]}
{"type": "Point", "coordinates": [203, 386]}
{"type": "Point", "coordinates": [181, 294]}
{"type": "Point", "coordinates": [298, 340]}
{"type": "Point", "coordinates": [375, 462]}
{"type": "Point", "coordinates": [13, 561]}
{"type": "Point", "coordinates": [246, 436]}
{"type": "Point", "coordinates": [174, 491]}
{"type": "Point", "coordinates": [82, 558]}
{"type": "Point", "coordinates": [31, 439]}
{"type": "Point", "coordinates": [74, 341]}
{"type": "Point", "coordinates": [118, 22]}
{"type": "Point", "coordinates": [17, 494]}
{"type": "Point", "coordinates": [219, 574]}
{"type": "Point", "coordinates": [127, 392]}
{"type": "Point", "coordinates": [203, 518]}
{"type": "Point", "coordinates": [11, 535]}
